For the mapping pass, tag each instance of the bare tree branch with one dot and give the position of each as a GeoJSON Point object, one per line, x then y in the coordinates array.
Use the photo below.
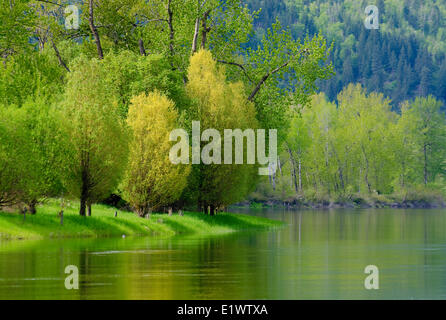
{"type": "Point", "coordinates": [264, 78]}
{"type": "Point", "coordinates": [50, 2]}
{"type": "Point", "coordinates": [61, 62]}
{"type": "Point", "coordinates": [94, 31]}
{"type": "Point", "coordinates": [237, 65]}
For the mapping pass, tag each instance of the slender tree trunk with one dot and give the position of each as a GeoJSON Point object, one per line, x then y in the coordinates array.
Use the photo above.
{"type": "Point", "coordinates": [32, 206]}
{"type": "Point", "coordinates": [196, 32]}
{"type": "Point", "coordinates": [94, 30]}
{"type": "Point", "coordinates": [279, 165]}
{"type": "Point", "coordinates": [140, 211]}
{"type": "Point", "coordinates": [170, 211]}
{"type": "Point", "coordinates": [61, 62]}
{"type": "Point", "coordinates": [171, 31]}
{"type": "Point", "coordinates": [425, 165]}
{"type": "Point", "coordinates": [293, 168]}
{"type": "Point", "coordinates": [89, 210]}
{"type": "Point", "coordinates": [366, 175]}
{"type": "Point", "coordinates": [403, 176]}
{"type": "Point", "coordinates": [360, 180]}
{"type": "Point", "coordinates": [142, 50]}
{"type": "Point", "coordinates": [83, 207]}
{"type": "Point", "coordinates": [300, 175]}
{"type": "Point", "coordinates": [274, 180]}
{"type": "Point", "coordinates": [205, 30]}
{"type": "Point", "coordinates": [212, 210]}
{"type": "Point", "coordinates": [84, 193]}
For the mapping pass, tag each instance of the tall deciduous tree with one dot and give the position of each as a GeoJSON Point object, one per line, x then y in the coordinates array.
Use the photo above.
{"type": "Point", "coordinates": [44, 151]}
{"type": "Point", "coordinates": [98, 134]}
{"type": "Point", "coordinates": [426, 125]}
{"type": "Point", "coordinates": [219, 105]}
{"type": "Point", "coordinates": [152, 181]}
{"type": "Point", "coordinates": [14, 148]}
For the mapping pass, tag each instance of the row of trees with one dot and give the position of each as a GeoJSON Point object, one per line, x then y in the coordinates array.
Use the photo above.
{"type": "Point", "coordinates": [81, 145]}
{"type": "Point", "coordinates": [360, 146]}
{"type": "Point", "coordinates": [88, 111]}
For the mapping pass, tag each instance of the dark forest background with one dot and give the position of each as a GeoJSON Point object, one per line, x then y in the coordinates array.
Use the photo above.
{"type": "Point", "coordinates": [403, 59]}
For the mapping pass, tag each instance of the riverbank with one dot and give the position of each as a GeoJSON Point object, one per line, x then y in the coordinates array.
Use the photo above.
{"type": "Point", "coordinates": [103, 223]}
{"type": "Point", "coordinates": [420, 200]}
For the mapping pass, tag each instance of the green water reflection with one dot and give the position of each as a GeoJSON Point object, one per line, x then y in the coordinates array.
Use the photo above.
{"type": "Point", "coordinates": [319, 255]}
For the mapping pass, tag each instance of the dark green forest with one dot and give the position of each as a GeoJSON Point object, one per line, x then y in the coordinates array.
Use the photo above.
{"type": "Point", "coordinates": [405, 58]}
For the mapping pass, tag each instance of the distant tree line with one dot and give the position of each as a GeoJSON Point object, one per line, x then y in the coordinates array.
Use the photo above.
{"type": "Point", "coordinates": [360, 147]}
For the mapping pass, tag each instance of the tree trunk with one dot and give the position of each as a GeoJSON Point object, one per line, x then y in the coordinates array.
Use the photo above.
{"type": "Point", "coordinates": [32, 206]}
{"type": "Point", "coordinates": [94, 31]}
{"type": "Point", "coordinates": [84, 193]}
{"type": "Point", "coordinates": [89, 210]}
{"type": "Point", "coordinates": [403, 182]}
{"type": "Point", "coordinates": [171, 31]}
{"type": "Point", "coordinates": [293, 168]}
{"type": "Point", "coordinates": [341, 178]}
{"type": "Point", "coordinates": [366, 175]}
{"type": "Point", "coordinates": [61, 62]}
{"type": "Point", "coordinates": [274, 180]}
{"type": "Point", "coordinates": [142, 50]}
{"type": "Point", "coordinates": [279, 166]}
{"type": "Point", "coordinates": [300, 175]}
{"type": "Point", "coordinates": [83, 207]}
{"type": "Point", "coordinates": [195, 40]}
{"type": "Point", "coordinates": [425, 165]}
{"type": "Point", "coordinates": [170, 211]}
{"type": "Point", "coordinates": [140, 211]}
{"type": "Point", "coordinates": [212, 210]}
{"type": "Point", "coordinates": [205, 30]}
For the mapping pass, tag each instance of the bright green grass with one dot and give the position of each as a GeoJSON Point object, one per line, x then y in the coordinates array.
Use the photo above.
{"type": "Point", "coordinates": [102, 223]}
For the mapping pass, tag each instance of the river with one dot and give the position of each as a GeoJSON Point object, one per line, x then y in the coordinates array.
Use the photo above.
{"type": "Point", "coordinates": [317, 255]}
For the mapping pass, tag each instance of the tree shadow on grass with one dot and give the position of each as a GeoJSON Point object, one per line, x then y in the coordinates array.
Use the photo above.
{"type": "Point", "coordinates": [229, 221]}
{"type": "Point", "coordinates": [134, 227]}
{"type": "Point", "coordinates": [179, 228]}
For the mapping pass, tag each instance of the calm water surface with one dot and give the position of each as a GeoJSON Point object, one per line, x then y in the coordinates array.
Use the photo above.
{"type": "Point", "coordinates": [318, 255]}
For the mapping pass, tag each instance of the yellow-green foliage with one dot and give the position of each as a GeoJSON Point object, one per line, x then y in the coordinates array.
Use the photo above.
{"type": "Point", "coordinates": [98, 135]}
{"type": "Point", "coordinates": [220, 105]}
{"type": "Point", "coordinates": [152, 181]}
{"type": "Point", "coordinates": [14, 167]}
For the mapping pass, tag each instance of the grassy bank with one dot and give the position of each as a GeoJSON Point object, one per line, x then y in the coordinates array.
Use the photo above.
{"type": "Point", "coordinates": [103, 223]}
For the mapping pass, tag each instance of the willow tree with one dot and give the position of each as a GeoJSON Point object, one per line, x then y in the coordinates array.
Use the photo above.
{"type": "Point", "coordinates": [14, 167]}
{"type": "Point", "coordinates": [152, 180]}
{"type": "Point", "coordinates": [426, 126]}
{"type": "Point", "coordinates": [219, 106]}
{"type": "Point", "coordinates": [99, 136]}
{"type": "Point", "coordinates": [44, 150]}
